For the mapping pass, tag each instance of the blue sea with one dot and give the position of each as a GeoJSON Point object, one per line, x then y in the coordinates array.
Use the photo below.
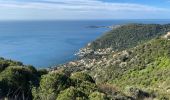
{"type": "Point", "coordinates": [48, 43]}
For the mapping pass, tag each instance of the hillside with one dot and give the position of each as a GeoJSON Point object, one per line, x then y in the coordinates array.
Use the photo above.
{"type": "Point", "coordinates": [21, 82]}
{"type": "Point", "coordinates": [146, 66]}
{"type": "Point", "coordinates": [128, 36]}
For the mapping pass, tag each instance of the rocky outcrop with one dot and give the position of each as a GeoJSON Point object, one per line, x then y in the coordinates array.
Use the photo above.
{"type": "Point", "coordinates": [167, 36]}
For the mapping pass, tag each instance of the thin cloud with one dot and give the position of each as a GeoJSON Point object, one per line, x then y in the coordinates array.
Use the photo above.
{"type": "Point", "coordinates": [78, 9]}
{"type": "Point", "coordinates": [80, 5]}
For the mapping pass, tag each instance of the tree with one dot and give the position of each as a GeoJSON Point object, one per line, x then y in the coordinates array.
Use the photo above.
{"type": "Point", "coordinates": [98, 96]}
{"type": "Point", "coordinates": [50, 86]}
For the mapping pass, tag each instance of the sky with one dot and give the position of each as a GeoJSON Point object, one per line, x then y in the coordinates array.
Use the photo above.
{"type": "Point", "coordinates": [83, 9]}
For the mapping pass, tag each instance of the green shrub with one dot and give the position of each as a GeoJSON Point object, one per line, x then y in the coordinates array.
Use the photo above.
{"type": "Point", "coordinates": [5, 63]}
{"type": "Point", "coordinates": [71, 94]}
{"type": "Point", "coordinates": [98, 96]}
{"type": "Point", "coordinates": [50, 85]}
{"type": "Point", "coordinates": [137, 93]}
{"type": "Point", "coordinates": [32, 69]}
{"type": "Point", "coordinates": [16, 81]}
{"type": "Point", "coordinates": [80, 76]}
{"type": "Point", "coordinates": [42, 72]}
{"type": "Point", "coordinates": [87, 87]}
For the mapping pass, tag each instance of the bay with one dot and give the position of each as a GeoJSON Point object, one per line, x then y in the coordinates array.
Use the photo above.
{"type": "Point", "coordinates": [47, 43]}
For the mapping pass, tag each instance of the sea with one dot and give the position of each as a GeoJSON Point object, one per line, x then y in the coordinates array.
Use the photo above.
{"type": "Point", "coordinates": [51, 42]}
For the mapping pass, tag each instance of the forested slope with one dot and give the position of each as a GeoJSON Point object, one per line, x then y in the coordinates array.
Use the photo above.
{"type": "Point", "coordinates": [129, 35]}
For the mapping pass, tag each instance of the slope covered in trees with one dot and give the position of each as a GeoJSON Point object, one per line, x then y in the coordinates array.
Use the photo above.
{"type": "Point", "coordinates": [21, 82]}
{"type": "Point", "coordinates": [140, 59]}
{"type": "Point", "coordinates": [129, 35]}
{"type": "Point", "coordinates": [145, 66]}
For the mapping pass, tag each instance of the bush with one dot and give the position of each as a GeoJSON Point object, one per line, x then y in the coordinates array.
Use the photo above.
{"type": "Point", "coordinates": [137, 93]}
{"type": "Point", "coordinates": [42, 72]}
{"type": "Point", "coordinates": [108, 89]}
{"type": "Point", "coordinates": [87, 87]}
{"type": "Point", "coordinates": [50, 85]}
{"type": "Point", "coordinates": [79, 77]}
{"type": "Point", "coordinates": [32, 69]}
{"type": "Point", "coordinates": [5, 63]}
{"type": "Point", "coordinates": [98, 96]}
{"type": "Point", "coordinates": [16, 81]}
{"type": "Point", "coordinates": [71, 94]}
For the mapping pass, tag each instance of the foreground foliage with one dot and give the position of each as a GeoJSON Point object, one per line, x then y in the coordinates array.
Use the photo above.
{"type": "Point", "coordinates": [26, 83]}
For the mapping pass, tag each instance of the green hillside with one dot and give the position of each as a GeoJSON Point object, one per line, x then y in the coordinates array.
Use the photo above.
{"type": "Point", "coordinates": [128, 36]}
{"type": "Point", "coordinates": [141, 59]}
{"type": "Point", "coordinates": [146, 66]}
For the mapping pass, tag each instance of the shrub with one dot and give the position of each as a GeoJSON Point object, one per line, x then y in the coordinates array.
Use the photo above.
{"type": "Point", "coordinates": [42, 72]}
{"type": "Point", "coordinates": [98, 96]}
{"type": "Point", "coordinates": [137, 93]}
{"type": "Point", "coordinates": [79, 77]}
{"type": "Point", "coordinates": [108, 89]}
{"type": "Point", "coordinates": [71, 94]}
{"type": "Point", "coordinates": [16, 81]}
{"type": "Point", "coordinates": [5, 63]}
{"type": "Point", "coordinates": [87, 87]}
{"type": "Point", "coordinates": [50, 85]}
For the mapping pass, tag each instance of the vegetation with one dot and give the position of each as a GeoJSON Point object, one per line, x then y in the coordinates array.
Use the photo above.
{"type": "Point", "coordinates": [128, 36]}
{"type": "Point", "coordinates": [145, 67]}
{"type": "Point", "coordinates": [138, 69]}
{"type": "Point", "coordinates": [98, 96]}
{"type": "Point", "coordinates": [26, 83]}
{"type": "Point", "coordinates": [16, 79]}
{"type": "Point", "coordinates": [5, 63]}
{"type": "Point", "coordinates": [71, 94]}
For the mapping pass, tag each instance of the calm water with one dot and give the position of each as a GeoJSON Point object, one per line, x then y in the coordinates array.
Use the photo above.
{"type": "Point", "coordinates": [47, 43]}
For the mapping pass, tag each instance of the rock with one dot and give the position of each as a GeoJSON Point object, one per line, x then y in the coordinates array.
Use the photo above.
{"type": "Point", "coordinates": [167, 36]}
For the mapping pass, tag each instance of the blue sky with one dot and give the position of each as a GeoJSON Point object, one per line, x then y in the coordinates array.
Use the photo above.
{"type": "Point", "coordinates": [83, 9]}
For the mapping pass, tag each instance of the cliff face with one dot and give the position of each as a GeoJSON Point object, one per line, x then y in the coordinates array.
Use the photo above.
{"type": "Point", "coordinates": [143, 63]}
